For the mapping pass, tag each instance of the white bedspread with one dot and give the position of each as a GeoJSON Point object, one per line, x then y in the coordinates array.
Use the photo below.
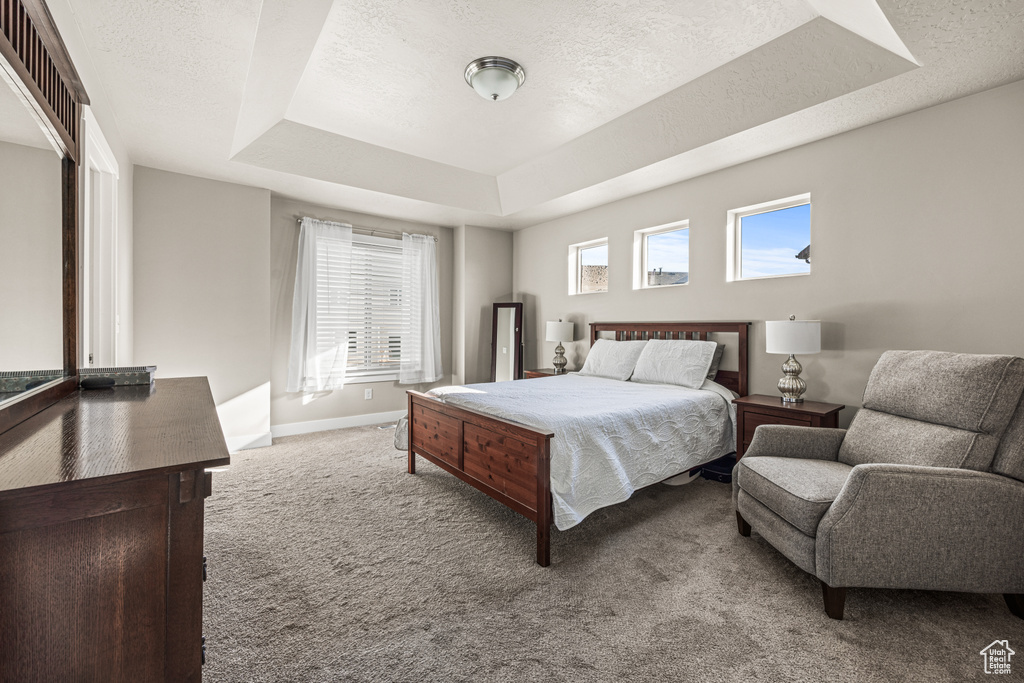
{"type": "Point", "coordinates": [611, 437]}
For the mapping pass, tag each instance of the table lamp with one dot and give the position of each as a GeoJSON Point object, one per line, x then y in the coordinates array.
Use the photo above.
{"type": "Point", "coordinates": [559, 332]}
{"type": "Point", "coordinates": [791, 337]}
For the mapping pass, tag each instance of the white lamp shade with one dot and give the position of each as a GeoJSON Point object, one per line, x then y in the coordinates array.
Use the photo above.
{"type": "Point", "coordinates": [792, 336]}
{"type": "Point", "coordinates": [559, 331]}
{"type": "Point", "coordinates": [494, 83]}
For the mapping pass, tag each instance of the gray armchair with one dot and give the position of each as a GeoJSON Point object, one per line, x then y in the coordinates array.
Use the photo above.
{"type": "Point", "coordinates": [925, 490]}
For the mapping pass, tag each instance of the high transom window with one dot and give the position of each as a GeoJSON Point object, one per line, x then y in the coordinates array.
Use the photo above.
{"type": "Point", "coordinates": [588, 267]}
{"type": "Point", "coordinates": [661, 256]}
{"type": "Point", "coordinates": [771, 239]}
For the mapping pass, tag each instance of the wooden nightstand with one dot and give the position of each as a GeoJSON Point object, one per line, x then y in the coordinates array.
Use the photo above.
{"type": "Point", "coordinates": [542, 372]}
{"type": "Point", "coordinates": [757, 409]}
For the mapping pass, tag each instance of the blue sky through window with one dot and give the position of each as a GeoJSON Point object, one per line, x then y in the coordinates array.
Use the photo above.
{"type": "Point", "coordinates": [669, 251]}
{"type": "Point", "coordinates": [770, 242]}
{"type": "Point", "coordinates": [594, 256]}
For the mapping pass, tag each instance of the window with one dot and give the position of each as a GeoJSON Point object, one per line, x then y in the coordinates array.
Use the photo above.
{"type": "Point", "coordinates": [364, 309]}
{"type": "Point", "coordinates": [588, 267]}
{"type": "Point", "coordinates": [771, 239]}
{"type": "Point", "coordinates": [374, 315]}
{"type": "Point", "coordinates": [661, 256]}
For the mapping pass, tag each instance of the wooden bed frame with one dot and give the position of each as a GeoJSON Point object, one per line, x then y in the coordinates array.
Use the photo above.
{"type": "Point", "coordinates": [511, 462]}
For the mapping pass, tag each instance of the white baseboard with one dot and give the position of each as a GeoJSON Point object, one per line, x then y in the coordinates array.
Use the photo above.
{"type": "Point", "coordinates": [294, 428]}
{"type": "Point", "coordinates": [241, 443]}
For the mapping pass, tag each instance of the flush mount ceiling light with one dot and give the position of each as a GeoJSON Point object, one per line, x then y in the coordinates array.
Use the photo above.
{"type": "Point", "coordinates": [495, 78]}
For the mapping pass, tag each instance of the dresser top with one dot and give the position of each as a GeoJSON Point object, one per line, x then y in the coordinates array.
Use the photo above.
{"type": "Point", "coordinates": [171, 426]}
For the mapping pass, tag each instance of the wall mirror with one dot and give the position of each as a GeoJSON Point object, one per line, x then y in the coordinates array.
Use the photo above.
{"type": "Point", "coordinates": [507, 342]}
{"type": "Point", "coordinates": [41, 100]}
{"type": "Point", "coordinates": [31, 334]}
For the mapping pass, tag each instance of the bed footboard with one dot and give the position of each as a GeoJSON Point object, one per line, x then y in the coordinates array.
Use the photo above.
{"type": "Point", "coordinates": [508, 461]}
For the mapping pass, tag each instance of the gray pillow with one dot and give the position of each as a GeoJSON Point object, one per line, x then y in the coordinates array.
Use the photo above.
{"type": "Point", "coordinates": [612, 359]}
{"type": "Point", "coordinates": [716, 360]}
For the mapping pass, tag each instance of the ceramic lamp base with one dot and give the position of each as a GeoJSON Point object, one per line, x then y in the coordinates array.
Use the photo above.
{"type": "Point", "coordinates": [559, 361]}
{"type": "Point", "coordinates": [791, 386]}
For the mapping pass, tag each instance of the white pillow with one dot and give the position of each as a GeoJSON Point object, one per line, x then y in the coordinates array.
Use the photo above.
{"type": "Point", "coordinates": [612, 359]}
{"type": "Point", "coordinates": [674, 361]}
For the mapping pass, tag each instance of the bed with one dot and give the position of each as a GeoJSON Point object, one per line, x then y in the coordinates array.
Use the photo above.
{"type": "Point", "coordinates": [517, 442]}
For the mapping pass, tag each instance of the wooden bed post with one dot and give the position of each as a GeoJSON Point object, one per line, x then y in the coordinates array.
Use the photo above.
{"type": "Point", "coordinates": [742, 330]}
{"type": "Point", "coordinates": [544, 505]}
{"type": "Point", "coordinates": [408, 434]}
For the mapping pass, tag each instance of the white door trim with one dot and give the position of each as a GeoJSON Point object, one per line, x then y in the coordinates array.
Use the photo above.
{"type": "Point", "coordinates": [98, 317]}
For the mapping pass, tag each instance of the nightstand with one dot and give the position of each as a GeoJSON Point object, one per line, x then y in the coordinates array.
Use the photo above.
{"type": "Point", "coordinates": [757, 409]}
{"type": "Point", "coordinates": [542, 372]}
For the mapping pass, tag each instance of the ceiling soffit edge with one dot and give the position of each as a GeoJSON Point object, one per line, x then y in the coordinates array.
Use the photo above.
{"type": "Point", "coordinates": [818, 61]}
{"type": "Point", "coordinates": [285, 37]}
{"type": "Point", "coordinates": [302, 150]}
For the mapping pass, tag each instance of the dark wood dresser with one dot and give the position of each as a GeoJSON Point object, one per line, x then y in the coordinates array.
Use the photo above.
{"type": "Point", "coordinates": [101, 535]}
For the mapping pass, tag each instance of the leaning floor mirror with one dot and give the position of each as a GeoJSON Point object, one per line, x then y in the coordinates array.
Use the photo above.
{"type": "Point", "coordinates": [507, 342]}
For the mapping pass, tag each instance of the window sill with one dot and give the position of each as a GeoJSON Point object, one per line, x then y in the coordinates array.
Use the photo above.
{"type": "Point", "coordinates": [368, 379]}
{"type": "Point", "coordinates": [768, 277]}
{"type": "Point", "coordinates": [678, 284]}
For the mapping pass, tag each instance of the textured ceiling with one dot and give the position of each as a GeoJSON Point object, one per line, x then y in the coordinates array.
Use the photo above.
{"type": "Point", "coordinates": [361, 104]}
{"type": "Point", "coordinates": [587, 62]}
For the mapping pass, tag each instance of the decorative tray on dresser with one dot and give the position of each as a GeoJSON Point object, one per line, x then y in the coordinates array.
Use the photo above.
{"type": "Point", "coordinates": [101, 534]}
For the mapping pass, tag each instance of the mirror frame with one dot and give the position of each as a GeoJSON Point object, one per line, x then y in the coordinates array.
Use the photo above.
{"type": "Point", "coordinates": [518, 370]}
{"type": "Point", "coordinates": [35, 62]}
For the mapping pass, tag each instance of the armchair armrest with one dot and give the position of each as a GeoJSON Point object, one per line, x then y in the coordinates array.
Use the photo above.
{"type": "Point", "coordinates": [787, 441]}
{"type": "Point", "coordinates": [931, 528]}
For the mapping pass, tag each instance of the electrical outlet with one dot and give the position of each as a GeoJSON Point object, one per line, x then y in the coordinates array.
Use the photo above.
{"type": "Point", "coordinates": [367, 394]}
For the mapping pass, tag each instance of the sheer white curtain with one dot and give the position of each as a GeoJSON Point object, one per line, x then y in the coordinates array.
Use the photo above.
{"type": "Point", "coordinates": [421, 323]}
{"type": "Point", "coordinates": [320, 328]}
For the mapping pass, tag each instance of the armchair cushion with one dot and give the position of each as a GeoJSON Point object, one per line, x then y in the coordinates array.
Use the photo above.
{"type": "Point", "coordinates": [929, 528]}
{"type": "Point", "coordinates": [880, 437]}
{"type": "Point", "coordinates": [978, 393]}
{"type": "Point", "coordinates": [783, 536]}
{"type": "Point", "coordinates": [798, 490]}
{"type": "Point", "coordinates": [788, 441]}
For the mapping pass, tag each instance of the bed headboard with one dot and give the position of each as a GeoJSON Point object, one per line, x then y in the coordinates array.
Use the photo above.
{"type": "Point", "coordinates": [735, 380]}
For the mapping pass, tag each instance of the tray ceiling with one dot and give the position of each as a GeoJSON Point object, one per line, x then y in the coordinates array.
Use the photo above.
{"type": "Point", "coordinates": [362, 104]}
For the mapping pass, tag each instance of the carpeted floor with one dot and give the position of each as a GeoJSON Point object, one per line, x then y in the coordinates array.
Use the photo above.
{"type": "Point", "coordinates": [329, 563]}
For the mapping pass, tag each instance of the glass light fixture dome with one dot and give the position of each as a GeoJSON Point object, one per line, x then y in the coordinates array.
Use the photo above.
{"type": "Point", "coordinates": [495, 78]}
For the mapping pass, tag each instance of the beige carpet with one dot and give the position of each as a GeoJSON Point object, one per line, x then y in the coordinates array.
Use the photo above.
{"type": "Point", "coordinates": [329, 563]}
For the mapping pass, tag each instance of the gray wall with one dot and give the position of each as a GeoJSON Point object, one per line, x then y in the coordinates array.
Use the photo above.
{"type": "Point", "coordinates": [202, 291]}
{"type": "Point", "coordinates": [487, 278]}
{"type": "Point", "coordinates": [289, 408]}
{"type": "Point", "coordinates": [917, 241]}
{"type": "Point", "coordinates": [31, 333]}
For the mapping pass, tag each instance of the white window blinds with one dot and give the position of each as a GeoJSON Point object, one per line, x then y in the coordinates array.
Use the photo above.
{"type": "Point", "coordinates": [373, 316]}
